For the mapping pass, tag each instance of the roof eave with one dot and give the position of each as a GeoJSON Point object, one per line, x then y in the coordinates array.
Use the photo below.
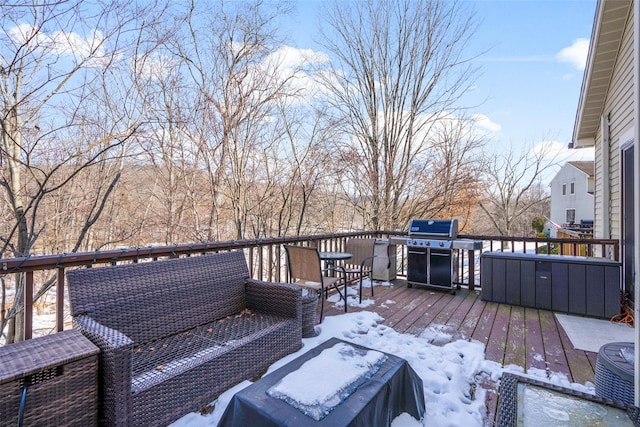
{"type": "Point", "coordinates": [597, 22]}
{"type": "Point", "coordinates": [608, 28]}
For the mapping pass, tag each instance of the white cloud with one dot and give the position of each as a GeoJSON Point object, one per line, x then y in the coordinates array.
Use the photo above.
{"type": "Point", "coordinates": [297, 65]}
{"type": "Point", "coordinates": [485, 123]}
{"type": "Point", "coordinates": [23, 33]}
{"type": "Point", "coordinates": [291, 58]}
{"type": "Point", "coordinates": [576, 54]}
{"type": "Point", "coordinates": [548, 149]}
{"type": "Point", "coordinates": [156, 67]}
{"type": "Point", "coordinates": [60, 43]}
{"type": "Point", "coordinates": [74, 44]}
{"type": "Point", "coordinates": [556, 154]}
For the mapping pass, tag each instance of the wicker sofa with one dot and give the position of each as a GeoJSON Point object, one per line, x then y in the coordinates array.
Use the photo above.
{"type": "Point", "coordinates": [175, 334]}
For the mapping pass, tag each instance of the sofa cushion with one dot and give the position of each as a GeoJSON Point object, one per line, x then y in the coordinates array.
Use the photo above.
{"type": "Point", "coordinates": [160, 360]}
{"type": "Point", "coordinates": [151, 300]}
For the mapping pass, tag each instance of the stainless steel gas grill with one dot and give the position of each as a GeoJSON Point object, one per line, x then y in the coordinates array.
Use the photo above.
{"type": "Point", "coordinates": [432, 252]}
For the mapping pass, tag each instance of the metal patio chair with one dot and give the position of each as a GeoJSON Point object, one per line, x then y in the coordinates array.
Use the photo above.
{"type": "Point", "coordinates": [361, 262]}
{"type": "Point", "coordinates": [305, 269]}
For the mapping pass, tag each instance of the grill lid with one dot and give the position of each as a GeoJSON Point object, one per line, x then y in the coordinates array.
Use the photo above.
{"type": "Point", "coordinates": [442, 228]}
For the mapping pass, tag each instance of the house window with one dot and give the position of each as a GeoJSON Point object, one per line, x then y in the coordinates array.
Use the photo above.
{"type": "Point", "coordinates": [564, 189]}
{"type": "Point", "coordinates": [572, 188]}
{"type": "Point", "coordinates": [571, 216]}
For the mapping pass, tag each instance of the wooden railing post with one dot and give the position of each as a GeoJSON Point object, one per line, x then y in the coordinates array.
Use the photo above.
{"type": "Point", "coordinates": [472, 272]}
{"type": "Point", "coordinates": [278, 263]}
{"type": "Point", "coordinates": [28, 305]}
{"type": "Point", "coordinates": [60, 300]}
{"type": "Point", "coordinates": [251, 262]}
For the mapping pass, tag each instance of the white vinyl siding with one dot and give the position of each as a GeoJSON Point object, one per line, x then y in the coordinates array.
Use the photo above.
{"type": "Point", "coordinates": [619, 107]}
{"type": "Point", "coordinates": [598, 229]}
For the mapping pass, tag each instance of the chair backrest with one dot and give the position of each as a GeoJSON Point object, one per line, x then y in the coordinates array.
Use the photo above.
{"type": "Point", "coordinates": [360, 248]}
{"type": "Point", "coordinates": [304, 263]}
{"type": "Point", "coordinates": [151, 300]}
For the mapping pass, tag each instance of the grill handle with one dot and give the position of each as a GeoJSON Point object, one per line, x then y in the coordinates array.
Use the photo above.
{"type": "Point", "coordinates": [417, 252]}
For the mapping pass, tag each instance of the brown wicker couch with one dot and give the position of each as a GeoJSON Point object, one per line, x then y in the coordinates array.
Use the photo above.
{"type": "Point", "coordinates": [175, 334]}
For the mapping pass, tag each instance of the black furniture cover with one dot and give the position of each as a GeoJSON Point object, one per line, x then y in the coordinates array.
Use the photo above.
{"type": "Point", "coordinates": [394, 389]}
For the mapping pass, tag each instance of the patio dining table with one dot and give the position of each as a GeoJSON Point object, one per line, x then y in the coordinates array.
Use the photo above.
{"type": "Point", "coordinates": [330, 259]}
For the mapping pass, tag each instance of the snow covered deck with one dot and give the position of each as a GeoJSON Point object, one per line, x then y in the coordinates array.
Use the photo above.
{"type": "Point", "coordinates": [529, 338]}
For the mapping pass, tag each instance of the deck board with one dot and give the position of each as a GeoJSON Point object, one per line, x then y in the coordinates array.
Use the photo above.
{"type": "Point", "coordinates": [496, 346]}
{"type": "Point", "coordinates": [533, 340]}
{"type": "Point", "coordinates": [438, 301]}
{"type": "Point", "coordinates": [388, 300]}
{"type": "Point", "coordinates": [553, 350]}
{"type": "Point", "coordinates": [403, 308]}
{"type": "Point", "coordinates": [579, 365]}
{"type": "Point", "coordinates": [435, 323]}
{"type": "Point", "coordinates": [472, 317]}
{"type": "Point", "coordinates": [458, 317]}
{"type": "Point", "coordinates": [515, 345]}
{"type": "Point", "coordinates": [526, 337]}
{"type": "Point", "coordinates": [448, 310]}
{"type": "Point", "coordinates": [593, 357]}
{"type": "Point", "coordinates": [417, 316]}
{"type": "Point", "coordinates": [485, 323]}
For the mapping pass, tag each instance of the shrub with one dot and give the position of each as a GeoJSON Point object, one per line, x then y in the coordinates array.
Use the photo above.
{"type": "Point", "coordinates": [545, 249]}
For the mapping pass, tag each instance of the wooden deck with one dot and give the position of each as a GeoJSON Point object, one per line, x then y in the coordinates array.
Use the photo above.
{"type": "Point", "coordinates": [526, 337]}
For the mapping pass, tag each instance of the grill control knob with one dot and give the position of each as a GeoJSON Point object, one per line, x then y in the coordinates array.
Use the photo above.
{"type": "Point", "coordinates": [441, 244]}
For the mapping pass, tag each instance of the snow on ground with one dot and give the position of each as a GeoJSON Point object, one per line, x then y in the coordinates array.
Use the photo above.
{"type": "Point", "coordinates": [451, 373]}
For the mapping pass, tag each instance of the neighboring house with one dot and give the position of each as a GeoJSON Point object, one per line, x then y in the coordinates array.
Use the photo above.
{"type": "Point", "coordinates": [608, 119]}
{"type": "Point", "coordinates": [572, 195]}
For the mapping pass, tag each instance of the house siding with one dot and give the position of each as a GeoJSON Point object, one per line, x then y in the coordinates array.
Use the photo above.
{"type": "Point", "coordinates": [619, 108]}
{"type": "Point", "coordinates": [598, 227]}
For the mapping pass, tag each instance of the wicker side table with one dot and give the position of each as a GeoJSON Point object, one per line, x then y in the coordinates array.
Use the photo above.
{"type": "Point", "coordinates": [60, 372]}
{"type": "Point", "coordinates": [309, 310]}
{"type": "Point", "coordinates": [614, 372]}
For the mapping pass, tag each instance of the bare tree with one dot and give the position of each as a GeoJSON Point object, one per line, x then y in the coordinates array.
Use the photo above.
{"type": "Point", "coordinates": [302, 165]}
{"type": "Point", "coordinates": [514, 189]}
{"type": "Point", "coordinates": [169, 147]}
{"type": "Point", "coordinates": [229, 52]}
{"type": "Point", "coordinates": [397, 66]}
{"type": "Point", "coordinates": [55, 62]}
{"type": "Point", "coordinates": [449, 176]}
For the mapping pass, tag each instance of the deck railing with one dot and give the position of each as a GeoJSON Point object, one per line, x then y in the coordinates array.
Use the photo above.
{"type": "Point", "coordinates": [605, 248]}
{"type": "Point", "coordinates": [265, 258]}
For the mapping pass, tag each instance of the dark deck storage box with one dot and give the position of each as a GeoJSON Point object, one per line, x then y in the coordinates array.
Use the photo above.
{"type": "Point", "coordinates": [584, 286]}
{"type": "Point", "coordinates": [61, 374]}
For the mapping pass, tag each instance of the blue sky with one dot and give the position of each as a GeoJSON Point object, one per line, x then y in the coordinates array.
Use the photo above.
{"type": "Point", "coordinates": [531, 74]}
{"type": "Point", "coordinates": [532, 91]}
